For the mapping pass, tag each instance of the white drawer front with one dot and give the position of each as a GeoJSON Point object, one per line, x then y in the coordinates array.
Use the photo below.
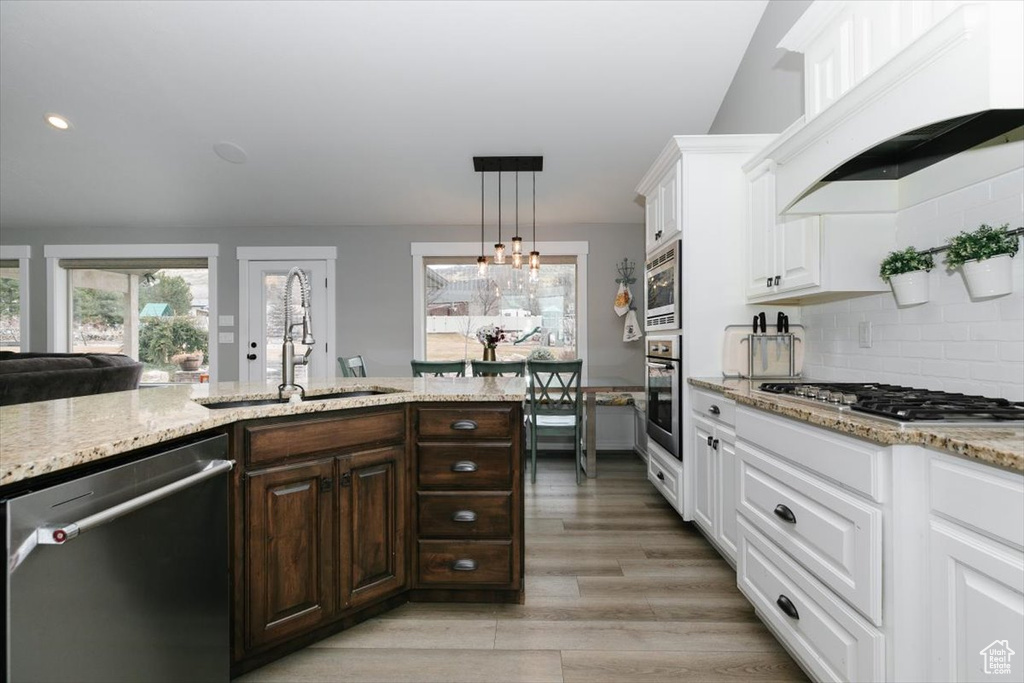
{"type": "Point", "coordinates": [666, 473]}
{"type": "Point", "coordinates": [989, 500]}
{"type": "Point", "coordinates": [713, 406]}
{"type": "Point", "coordinates": [829, 638]}
{"type": "Point", "coordinates": [836, 536]}
{"type": "Point", "coordinates": [852, 463]}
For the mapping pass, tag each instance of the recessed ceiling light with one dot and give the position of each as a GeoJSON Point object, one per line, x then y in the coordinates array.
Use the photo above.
{"type": "Point", "coordinates": [57, 121]}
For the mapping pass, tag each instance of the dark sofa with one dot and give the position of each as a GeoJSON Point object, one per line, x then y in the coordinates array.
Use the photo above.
{"type": "Point", "coordinates": [29, 377]}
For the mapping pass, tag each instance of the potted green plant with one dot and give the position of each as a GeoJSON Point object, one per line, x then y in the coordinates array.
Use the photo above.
{"type": "Point", "coordinates": [906, 271]}
{"type": "Point", "coordinates": [983, 257]}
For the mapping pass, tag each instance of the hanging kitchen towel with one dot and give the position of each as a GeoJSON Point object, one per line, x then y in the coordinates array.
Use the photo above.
{"type": "Point", "coordinates": [632, 329]}
{"type": "Point", "coordinates": [623, 299]}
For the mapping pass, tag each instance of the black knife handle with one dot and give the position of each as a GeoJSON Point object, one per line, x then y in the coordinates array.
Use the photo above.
{"type": "Point", "coordinates": [763, 321]}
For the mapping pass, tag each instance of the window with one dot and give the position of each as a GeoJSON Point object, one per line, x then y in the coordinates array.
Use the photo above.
{"type": "Point", "coordinates": [453, 302]}
{"type": "Point", "coordinates": [14, 298]}
{"type": "Point", "coordinates": [154, 309]}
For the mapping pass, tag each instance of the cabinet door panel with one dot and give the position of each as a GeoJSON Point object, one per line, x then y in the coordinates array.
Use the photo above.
{"type": "Point", "coordinates": [760, 227]}
{"type": "Point", "coordinates": [652, 213]}
{"type": "Point", "coordinates": [798, 253]}
{"type": "Point", "coordinates": [373, 512]}
{"type": "Point", "coordinates": [726, 461]}
{"type": "Point", "coordinates": [704, 478]}
{"type": "Point", "coordinates": [290, 550]}
{"type": "Point", "coordinates": [668, 188]}
{"type": "Point", "coordinates": [977, 598]}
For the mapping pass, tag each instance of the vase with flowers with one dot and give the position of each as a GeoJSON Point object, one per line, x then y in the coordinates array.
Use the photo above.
{"type": "Point", "coordinates": [489, 336]}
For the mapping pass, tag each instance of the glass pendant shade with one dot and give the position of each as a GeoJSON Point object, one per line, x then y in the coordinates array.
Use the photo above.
{"type": "Point", "coordinates": [534, 259]}
{"type": "Point", "coordinates": [517, 245]}
{"type": "Point", "coordinates": [481, 265]}
{"type": "Point", "coordinates": [517, 260]}
{"type": "Point", "coordinates": [499, 254]}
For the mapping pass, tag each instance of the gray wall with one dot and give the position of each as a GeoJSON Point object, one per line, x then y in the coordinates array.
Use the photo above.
{"type": "Point", "coordinates": [766, 94]}
{"type": "Point", "coordinates": [374, 283]}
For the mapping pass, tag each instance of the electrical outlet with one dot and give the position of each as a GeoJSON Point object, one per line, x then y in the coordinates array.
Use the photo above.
{"type": "Point", "coordinates": [864, 335]}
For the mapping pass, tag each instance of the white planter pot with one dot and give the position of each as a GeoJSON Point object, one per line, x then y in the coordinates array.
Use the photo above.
{"type": "Point", "coordinates": [989, 277]}
{"type": "Point", "coordinates": [910, 288]}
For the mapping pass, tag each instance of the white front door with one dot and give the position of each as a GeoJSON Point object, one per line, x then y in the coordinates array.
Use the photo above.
{"type": "Point", "coordinates": [262, 345]}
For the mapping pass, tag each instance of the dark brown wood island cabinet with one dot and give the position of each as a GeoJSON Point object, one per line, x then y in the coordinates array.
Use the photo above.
{"type": "Point", "coordinates": [331, 527]}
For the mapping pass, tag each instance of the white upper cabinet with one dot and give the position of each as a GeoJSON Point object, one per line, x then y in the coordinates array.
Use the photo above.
{"type": "Point", "coordinates": [663, 209]}
{"type": "Point", "coordinates": [803, 257]}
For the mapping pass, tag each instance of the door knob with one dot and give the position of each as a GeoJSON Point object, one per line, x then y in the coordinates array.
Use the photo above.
{"type": "Point", "coordinates": [251, 356]}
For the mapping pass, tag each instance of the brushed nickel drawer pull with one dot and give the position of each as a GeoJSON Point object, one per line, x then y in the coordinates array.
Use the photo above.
{"type": "Point", "coordinates": [464, 516]}
{"type": "Point", "coordinates": [464, 466]}
{"type": "Point", "coordinates": [464, 565]}
{"type": "Point", "coordinates": [464, 425]}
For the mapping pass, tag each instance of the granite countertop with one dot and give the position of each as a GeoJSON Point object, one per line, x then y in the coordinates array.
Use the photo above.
{"type": "Point", "coordinates": [997, 445]}
{"type": "Point", "coordinates": [48, 436]}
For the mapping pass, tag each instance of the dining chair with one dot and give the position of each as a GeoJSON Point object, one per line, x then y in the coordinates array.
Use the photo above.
{"type": "Point", "coordinates": [556, 406]}
{"type": "Point", "coordinates": [353, 366]}
{"type": "Point", "coordinates": [498, 368]}
{"type": "Point", "coordinates": [438, 368]}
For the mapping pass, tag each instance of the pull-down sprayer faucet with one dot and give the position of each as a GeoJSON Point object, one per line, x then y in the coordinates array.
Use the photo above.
{"type": "Point", "coordinates": [288, 359]}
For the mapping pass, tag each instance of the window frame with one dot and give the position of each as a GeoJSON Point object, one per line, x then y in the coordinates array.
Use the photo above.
{"type": "Point", "coordinates": [23, 255]}
{"type": "Point", "coordinates": [419, 250]}
{"type": "Point", "coordinates": [58, 291]}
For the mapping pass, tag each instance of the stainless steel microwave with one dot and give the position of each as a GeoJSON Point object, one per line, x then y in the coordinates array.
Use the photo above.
{"type": "Point", "coordinates": [662, 289]}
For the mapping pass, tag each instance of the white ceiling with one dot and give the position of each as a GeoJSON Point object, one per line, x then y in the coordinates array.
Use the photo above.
{"type": "Point", "coordinates": [351, 113]}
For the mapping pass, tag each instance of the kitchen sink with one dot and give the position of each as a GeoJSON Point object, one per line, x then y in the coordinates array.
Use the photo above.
{"type": "Point", "coordinates": [218, 405]}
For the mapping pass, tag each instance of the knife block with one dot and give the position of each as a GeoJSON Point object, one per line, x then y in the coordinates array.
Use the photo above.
{"type": "Point", "coordinates": [771, 356]}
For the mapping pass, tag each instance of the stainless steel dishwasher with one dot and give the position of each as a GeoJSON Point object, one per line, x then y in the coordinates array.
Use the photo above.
{"type": "Point", "coordinates": [122, 575]}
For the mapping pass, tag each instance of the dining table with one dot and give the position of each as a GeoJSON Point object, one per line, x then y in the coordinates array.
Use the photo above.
{"type": "Point", "coordinates": [591, 388]}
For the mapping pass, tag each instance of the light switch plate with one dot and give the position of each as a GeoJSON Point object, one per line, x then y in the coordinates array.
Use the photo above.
{"type": "Point", "coordinates": [864, 335]}
{"type": "Point", "coordinates": [226, 337]}
{"type": "Point", "coordinates": [226, 320]}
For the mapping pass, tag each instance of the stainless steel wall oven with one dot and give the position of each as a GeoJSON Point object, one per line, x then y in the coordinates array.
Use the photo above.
{"type": "Point", "coordinates": [664, 392]}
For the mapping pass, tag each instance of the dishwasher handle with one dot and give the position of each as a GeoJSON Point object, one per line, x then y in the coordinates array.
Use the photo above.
{"type": "Point", "coordinates": [62, 533]}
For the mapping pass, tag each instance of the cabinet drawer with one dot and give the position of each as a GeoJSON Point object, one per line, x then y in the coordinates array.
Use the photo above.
{"type": "Point", "coordinates": [852, 463]}
{"type": "Point", "coordinates": [467, 562]}
{"type": "Point", "coordinates": [276, 441]}
{"type": "Point", "coordinates": [465, 515]}
{"type": "Point", "coordinates": [988, 500]}
{"type": "Point", "coordinates": [665, 472]}
{"type": "Point", "coordinates": [467, 423]}
{"type": "Point", "coordinates": [837, 537]}
{"type": "Point", "coordinates": [465, 466]}
{"type": "Point", "coordinates": [828, 638]}
{"type": "Point", "coordinates": [713, 406]}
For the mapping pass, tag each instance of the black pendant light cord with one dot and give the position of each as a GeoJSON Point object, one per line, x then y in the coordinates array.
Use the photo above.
{"type": "Point", "coordinates": [481, 213]}
{"type": "Point", "coordinates": [517, 204]}
{"type": "Point", "coordinates": [535, 211]}
{"type": "Point", "coordinates": [499, 206]}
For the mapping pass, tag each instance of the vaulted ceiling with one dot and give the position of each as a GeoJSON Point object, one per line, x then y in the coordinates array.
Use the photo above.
{"type": "Point", "coordinates": [349, 113]}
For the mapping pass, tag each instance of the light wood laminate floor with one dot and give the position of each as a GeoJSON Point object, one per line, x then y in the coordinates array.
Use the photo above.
{"type": "Point", "coordinates": [618, 589]}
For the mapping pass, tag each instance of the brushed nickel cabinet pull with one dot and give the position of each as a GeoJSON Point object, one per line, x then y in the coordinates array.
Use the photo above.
{"type": "Point", "coordinates": [464, 425]}
{"type": "Point", "coordinates": [464, 466]}
{"type": "Point", "coordinates": [464, 516]}
{"type": "Point", "coordinates": [464, 565]}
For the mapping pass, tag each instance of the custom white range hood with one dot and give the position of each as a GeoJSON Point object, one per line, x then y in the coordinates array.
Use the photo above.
{"type": "Point", "coordinates": [891, 87]}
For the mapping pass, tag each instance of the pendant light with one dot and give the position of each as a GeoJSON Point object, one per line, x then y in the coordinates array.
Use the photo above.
{"type": "Point", "coordinates": [517, 241]}
{"type": "Point", "coordinates": [534, 255]}
{"type": "Point", "coordinates": [499, 248]}
{"type": "Point", "coordinates": [481, 262]}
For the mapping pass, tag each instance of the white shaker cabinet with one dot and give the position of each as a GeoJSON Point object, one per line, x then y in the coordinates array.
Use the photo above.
{"type": "Point", "coordinates": [976, 565]}
{"type": "Point", "coordinates": [663, 209]}
{"type": "Point", "coordinates": [796, 258]}
{"type": "Point", "coordinates": [713, 448]}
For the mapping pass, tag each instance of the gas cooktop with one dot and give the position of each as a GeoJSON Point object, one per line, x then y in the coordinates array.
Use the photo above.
{"type": "Point", "coordinates": [904, 404]}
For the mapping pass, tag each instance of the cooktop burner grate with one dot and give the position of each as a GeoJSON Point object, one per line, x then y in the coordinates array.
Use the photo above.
{"type": "Point", "coordinates": [903, 404]}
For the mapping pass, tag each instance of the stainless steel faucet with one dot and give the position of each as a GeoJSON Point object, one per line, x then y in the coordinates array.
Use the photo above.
{"type": "Point", "coordinates": [288, 359]}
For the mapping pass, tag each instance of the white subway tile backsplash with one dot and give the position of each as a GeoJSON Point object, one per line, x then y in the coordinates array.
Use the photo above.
{"type": "Point", "coordinates": [950, 343]}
